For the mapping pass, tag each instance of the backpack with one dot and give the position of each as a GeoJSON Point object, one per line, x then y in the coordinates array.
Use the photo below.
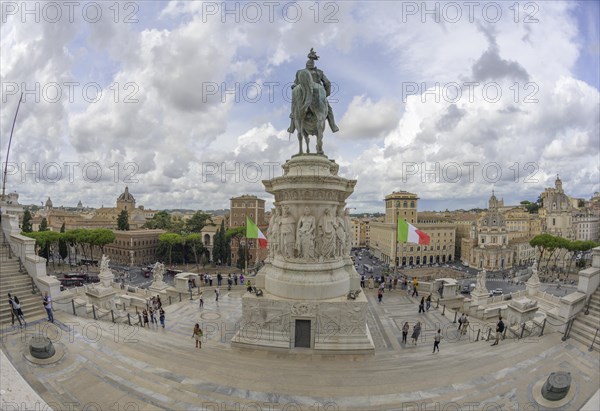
{"type": "Point", "coordinates": [500, 327]}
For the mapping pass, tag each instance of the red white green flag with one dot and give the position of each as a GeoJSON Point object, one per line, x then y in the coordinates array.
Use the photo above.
{"type": "Point", "coordinates": [252, 231]}
{"type": "Point", "coordinates": [408, 233]}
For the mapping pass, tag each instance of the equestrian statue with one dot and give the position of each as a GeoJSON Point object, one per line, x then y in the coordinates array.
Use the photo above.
{"type": "Point", "coordinates": [310, 107]}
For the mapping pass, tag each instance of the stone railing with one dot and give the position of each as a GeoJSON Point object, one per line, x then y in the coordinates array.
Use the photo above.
{"type": "Point", "coordinates": [23, 248]}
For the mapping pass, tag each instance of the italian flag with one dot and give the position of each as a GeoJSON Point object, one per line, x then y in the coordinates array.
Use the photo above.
{"type": "Point", "coordinates": [408, 233]}
{"type": "Point", "coordinates": [252, 231]}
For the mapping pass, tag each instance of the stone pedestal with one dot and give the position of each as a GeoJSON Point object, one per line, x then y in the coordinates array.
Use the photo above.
{"type": "Point", "coordinates": [479, 297]}
{"type": "Point", "coordinates": [309, 273]}
{"type": "Point", "coordinates": [102, 294]}
{"type": "Point", "coordinates": [521, 310]}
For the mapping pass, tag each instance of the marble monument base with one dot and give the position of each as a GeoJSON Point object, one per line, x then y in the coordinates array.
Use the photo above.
{"type": "Point", "coordinates": [336, 325]}
{"type": "Point", "coordinates": [102, 297]}
{"type": "Point", "coordinates": [158, 288]}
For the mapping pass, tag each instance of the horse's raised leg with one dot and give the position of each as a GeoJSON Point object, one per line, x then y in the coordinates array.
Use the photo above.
{"type": "Point", "coordinates": [307, 139]}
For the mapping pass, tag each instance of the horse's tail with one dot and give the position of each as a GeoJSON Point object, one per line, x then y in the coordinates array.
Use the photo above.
{"type": "Point", "coordinates": [306, 82]}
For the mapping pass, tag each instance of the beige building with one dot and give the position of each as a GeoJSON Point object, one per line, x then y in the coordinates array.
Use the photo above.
{"type": "Point", "coordinates": [586, 225]}
{"type": "Point", "coordinates": [522, 224]}
{"type": "Point", "coordinates": [556, 212]}
{"type": "Point", "coordinates": [361, 232]}
{"type": "Point", "coordinates": [240, 208]}
{"type": "Point", "coordinates": [383, 234]}
{"type": "Point", "coordinates": [500, 240]}
{"type": "Point", "coordinates": [134, 247]}
{"type": "Point", "coordinates": [103, 217]}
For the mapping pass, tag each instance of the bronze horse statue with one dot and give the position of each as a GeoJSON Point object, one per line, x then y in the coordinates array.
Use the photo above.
{"type": "Point", "coordinates": [309, 110]}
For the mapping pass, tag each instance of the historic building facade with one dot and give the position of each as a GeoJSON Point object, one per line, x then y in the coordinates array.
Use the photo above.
{"type": "Point", "coordinates": [134, 247]}
{"type": "Point", "coordinates": [383, 234]}
{"type": "Point", "coordinates": [240, 208]}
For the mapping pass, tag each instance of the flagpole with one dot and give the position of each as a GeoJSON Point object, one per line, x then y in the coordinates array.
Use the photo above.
{"type": "Point", "coordinates": [246, 257]}
{"type": "Point", "coordinates": [8, 148]}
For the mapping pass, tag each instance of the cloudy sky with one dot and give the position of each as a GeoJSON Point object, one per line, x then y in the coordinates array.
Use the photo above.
{"type": "Point", "coordinates": [187, 103]}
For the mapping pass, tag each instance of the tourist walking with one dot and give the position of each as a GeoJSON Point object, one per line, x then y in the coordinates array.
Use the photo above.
{"type": "Point", "coordinates": [415, 287]}
{"type": "Point", "coordinates": [201, 300]}
{"type": "Point", "coordinates": [436, 340]}
{"type": "Point", "coordinates": [499, 330]}
{"type": "Point", "coordinates": [422, 305]}
{"type": "Point", "coordinates": [229, 282]}
{"type": "Point", "coordinates": [48, 306]}
{"type": "Point", "coordinates": [362, 281]}
{"type": "Point", "coordinates": [416, 332]}
{"type": "Point", "coordinates": [465, 326]}
{"type": "Point", "coordinates": [460, 321]}
{"type": "Point", "coordinates": [145, 317]}
{"type": "Point", "coordinates": [210, 280]}
{"type": "Point", "coordinates": [380, 295]}
{"type": "Point", "coordinates": [405, 329]}
{"type": "Point", "coordinates": [19, 311]}
{"type": "Point", "coordinates": [152, 312]}
{"type": "Point", "coordinates": [219, 279]}
{"type": "Point", "coordinates": [197, 334]}
{"type": "Point", "coordinates": [13, 311]}
{"type": "Point", "coordinates": [428, 302]}
{"type": "Point", "coordinates": [242, 279]}
{"type": "Point", "coordinates": [162, 317]}
{"type": "Point", "coordinates": [235, 278]}
{"type": "Point", "coordinates": [217, 293]}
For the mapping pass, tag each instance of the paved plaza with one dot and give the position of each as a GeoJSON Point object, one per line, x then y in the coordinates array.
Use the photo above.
{"type": "Point", "coordinates": [117, 367]}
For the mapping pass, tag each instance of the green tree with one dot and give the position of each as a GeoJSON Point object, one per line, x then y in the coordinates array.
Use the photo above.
{"type": "Point", "coordinates": [123, 221]}
{"type": "Point", "coordinates": [194, 242]}
{"type": "Point", "coordinates": [26, 225]}
{"type": "Point", "coordinates": [542, 243]}
{"type": "Point", "coordinates": [44, 225]}
{"type": "Point", "coordinates": [198, 221]}
{"type": "Point", "coordinates": [101, 237]}
{"type": "Point", "coordinates": [170, 240]}
{"type": "Point", "coordinates": [161, 220]}
{"type": "Point", "coordinates": [63, 248]}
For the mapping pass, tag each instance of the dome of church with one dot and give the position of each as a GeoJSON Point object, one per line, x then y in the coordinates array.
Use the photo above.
{"type": "Point", "coordinates": [126, 196]}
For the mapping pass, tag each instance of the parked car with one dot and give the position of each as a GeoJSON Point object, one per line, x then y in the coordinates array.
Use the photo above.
{"type": "Point", "coordinates": [497, 291]}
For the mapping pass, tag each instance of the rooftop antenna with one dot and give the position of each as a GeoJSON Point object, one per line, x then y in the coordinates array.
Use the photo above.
{"type": "Point", "coordinates": [8, 149]}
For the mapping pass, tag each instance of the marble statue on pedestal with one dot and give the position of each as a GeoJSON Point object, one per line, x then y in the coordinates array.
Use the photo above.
{"type": "Point", "coordinates": [158, 272]}
{"type": "Point", "coordinates": [305, 236]}
{"type": "Point", "coordinates": [104, 263]}
{"type": "Point", "coordinates": [327, 235]}
{"type": "Point", "coordinates": [273, 234]}
{"type": "Point", "coordinates": [287, 232]}
{"type": "Point", "coordinates": [341, 233]}
{"type": "Point", "coordinates": [480, 284]}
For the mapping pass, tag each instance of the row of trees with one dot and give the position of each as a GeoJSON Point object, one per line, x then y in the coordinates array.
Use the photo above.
{"type": "Point", "coordinates": [49, 243]}
{"type": "Point", "coordinates": [174, 224]}
{"type": "Point", "coordinates": [553, 247]}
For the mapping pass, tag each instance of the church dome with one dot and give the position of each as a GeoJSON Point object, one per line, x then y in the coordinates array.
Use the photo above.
{"type": "Point", "coordinates": [48, 203]}
{"type": "Point", "coordinates": [126, 196]}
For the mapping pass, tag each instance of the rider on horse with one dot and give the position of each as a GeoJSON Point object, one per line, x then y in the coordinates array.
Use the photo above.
{"type": "Point", "coordinates": [319, 78]}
